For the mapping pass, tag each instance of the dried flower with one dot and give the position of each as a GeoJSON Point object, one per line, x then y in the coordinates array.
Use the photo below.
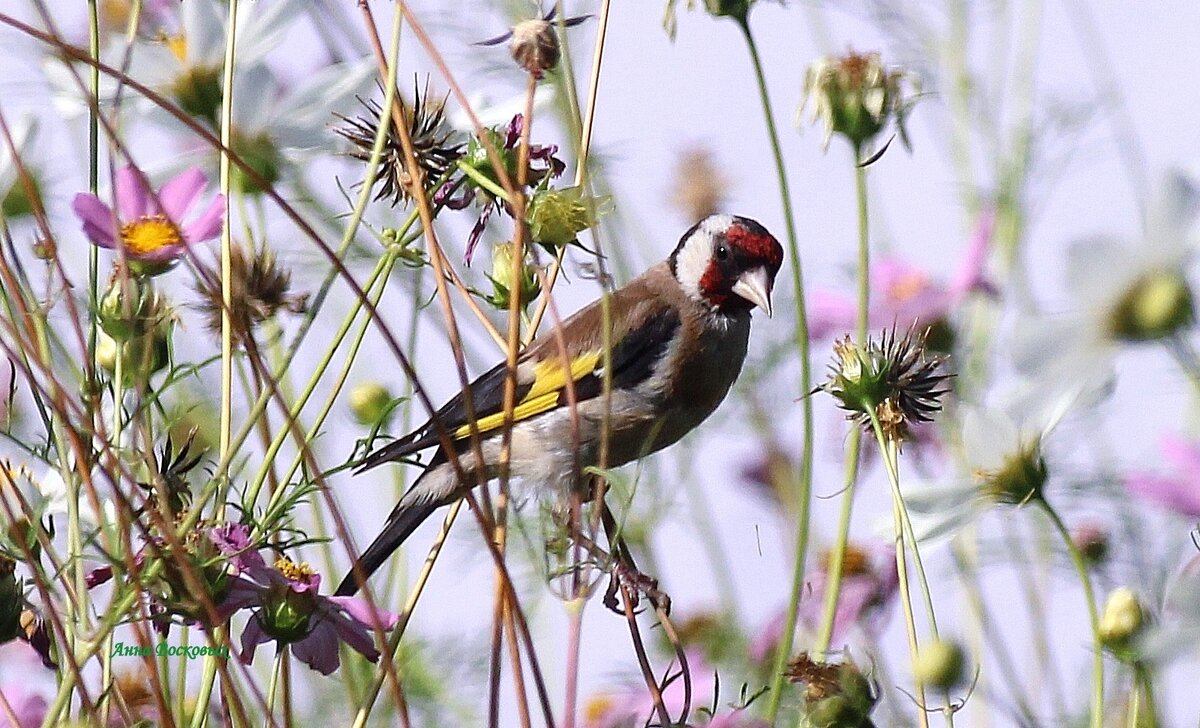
{"type": "Point", "coordinates": [856, 96]}
{"type": "Point", "coordinates": [169, 492]}
{"type": "Point", "coordinates": [836, 695]}
{"type": "Point", "coordinates": [533, 43]}
{"type": "Point", "coordinates": [149, 227]}
{"type": "Point", "coordinates": [700, 187]}
{"type": "Point", "coordinates": [435, 143]}
{"type": "Point", "coordinates": [892, 379]}
{"type": "Point", "coordinates": [259, 289]}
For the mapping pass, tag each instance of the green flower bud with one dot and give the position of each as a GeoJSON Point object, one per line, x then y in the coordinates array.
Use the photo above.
{"type": "Point", "coordinates": [940, 664]}
{"type": "Point", "coordinates": [129, 307]}
{"type": "Point", "coordinates": [556, 217]}
{"type": "Point", "coordinates": [1122, 621]}
{"type": "Point", "coordinates": [529, 286]}
{"type": "Point", "coordinates": [1156, 306]}
{"type": "Point", "coordinates": [371, 403]}
{"type": "Point", "coordinates": [16, 202]}
{"type": "Point", "coordinates": [856, 96]}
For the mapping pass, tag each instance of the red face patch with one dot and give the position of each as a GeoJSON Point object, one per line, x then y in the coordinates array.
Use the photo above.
{"type": "Point", "coordinates": [756, 245]}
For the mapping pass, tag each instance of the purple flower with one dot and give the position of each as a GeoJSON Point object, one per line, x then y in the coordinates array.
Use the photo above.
{"type": "Point", "coordinates": [902, 294]}
{"type": "Point", "coordinates": [149, 227]}
{"type": "Point", "coordinates": [289, 610]}
{"type": "Point", "coordinates": [1178, 491]}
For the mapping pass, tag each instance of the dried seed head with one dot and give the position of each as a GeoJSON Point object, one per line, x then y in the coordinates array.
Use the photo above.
{"type": "Point", "coordinates": [892, 379]}
{"type": "Point", "coordinates": [259, 289]}
{"type": "Point", "coordinates": [435, 144]}
{"type": "Point", "coordinates": [836, 695]}
{"type": "Point", "coordinates": [700, 188]}
{"type": "Point", "coordinates": [534, 46]}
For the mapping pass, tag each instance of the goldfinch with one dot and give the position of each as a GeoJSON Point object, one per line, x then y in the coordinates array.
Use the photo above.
{"type": "Point", "coordinates": [678, 336]}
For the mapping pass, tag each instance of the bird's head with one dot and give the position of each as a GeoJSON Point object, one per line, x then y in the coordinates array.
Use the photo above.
{"type": "Point", "coordinates": [728, 262]}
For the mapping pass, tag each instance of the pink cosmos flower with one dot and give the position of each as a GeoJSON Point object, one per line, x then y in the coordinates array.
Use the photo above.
{"type": "Point", "coordinates": [289, 610]}
{"type": "Point", "coordinates": [1179, 490]}
{"type": "Point", "coordinates": [902, 294]}
{"type": "Point", "coordinates": [150, 227]}
{"type": "Point", "coordinates": [28, 709]}
{"type": "Point", "coordinates": [629, 707]}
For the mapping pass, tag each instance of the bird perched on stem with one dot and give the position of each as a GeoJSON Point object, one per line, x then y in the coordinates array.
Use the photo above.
{"type": "Point", "coordinates": [678, 336]}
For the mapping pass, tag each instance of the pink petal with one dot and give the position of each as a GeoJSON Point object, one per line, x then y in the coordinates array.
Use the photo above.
{"type": "Point", "coordinates": [1175, 494]}
{"type": "Point", "coordinates": [361, 611]}
{"type": "Point", "coordinates": [97, 219]}
{"type": "Point", "coordinates": [164, 254]}
{"type": "Point", "coordinates": [1183, 454]}
{"type": "Point", "coordinates": [178, 195]}
{"type": "Point", "coordinates": [252, 636]}
{"type": "Point", "coordinates": [969, 275]}
{"type": "Point", "coordinates": [356, 635]}
{"type": "Point", "coordinates": [319, 650]}
{"type": "Point", "coordinates": [208, 225]}
{"type": "Point", "coordinates": [133, 199]}
{"type": "Point", "coordinates": [830, 314]}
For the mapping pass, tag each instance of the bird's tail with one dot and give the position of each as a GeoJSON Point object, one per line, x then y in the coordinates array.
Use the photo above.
{"type": "Point", "coordinates": [409, 513]}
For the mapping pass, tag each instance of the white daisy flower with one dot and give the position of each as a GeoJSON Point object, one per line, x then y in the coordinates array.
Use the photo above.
{"type": "Point", "coordinates": [1126, 294]}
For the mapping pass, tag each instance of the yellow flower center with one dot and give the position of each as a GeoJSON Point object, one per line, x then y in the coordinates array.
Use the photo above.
{"type": "Point", "coordinates": [149, 234]}
{"type": "Point", "coordinates": [294, 571]}
{"type": "Point", "coordinates": [177, 44]}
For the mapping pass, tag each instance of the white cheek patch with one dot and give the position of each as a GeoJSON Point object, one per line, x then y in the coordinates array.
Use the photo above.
{"type": "Point", "coordinates": [694, 257]}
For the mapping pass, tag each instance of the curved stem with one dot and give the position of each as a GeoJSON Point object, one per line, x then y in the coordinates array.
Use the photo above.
{"type": "Point", "coordinates": [1081, 568]}
{"type": "Point", "coordinates": [804, 492]}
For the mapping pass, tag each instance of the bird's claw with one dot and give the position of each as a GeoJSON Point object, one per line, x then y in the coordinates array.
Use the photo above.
{"type": "Point", "coordinates": [635, 583]}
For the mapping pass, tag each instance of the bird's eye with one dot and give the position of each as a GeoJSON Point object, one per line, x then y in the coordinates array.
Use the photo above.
{"type": "Point", "coordinates": [722, 252]}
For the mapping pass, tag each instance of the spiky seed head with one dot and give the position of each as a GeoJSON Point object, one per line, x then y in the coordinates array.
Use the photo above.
{"type": "Point", "coordinates": [260, 288]}
{"type": "Point", "coordinates": [435, 144]}
{"type": "Point", "coordinates": [892, 378]}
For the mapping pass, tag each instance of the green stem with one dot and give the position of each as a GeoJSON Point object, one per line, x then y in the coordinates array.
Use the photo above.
{"type": "Point", "coordinates": [483, 181]}
{"type": "Point", "coordinates": [1144, 712]}
{"type": "Point", "coordinates": [898, 518]}
{"type": "Point", "coordinates": [834, 569]}
{"type": "Point", "coordinates": [804, 492]}
{"type": "Point", "coordinates": [1081, 568]}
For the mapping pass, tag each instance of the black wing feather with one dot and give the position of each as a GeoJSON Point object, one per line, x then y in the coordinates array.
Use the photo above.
{"type": "Point", "coordinates": [633, 358]}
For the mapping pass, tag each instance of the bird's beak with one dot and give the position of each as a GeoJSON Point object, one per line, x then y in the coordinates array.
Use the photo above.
{"type": "Point", "coordinates": [755, 286]}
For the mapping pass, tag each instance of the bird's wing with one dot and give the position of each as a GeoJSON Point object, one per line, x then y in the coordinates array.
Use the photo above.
{"type": "Point", "coordinates": [542, 377]}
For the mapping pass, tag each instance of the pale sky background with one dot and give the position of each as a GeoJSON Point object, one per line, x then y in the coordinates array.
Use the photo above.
{"type": "Point", "coordinates": [659, 98]}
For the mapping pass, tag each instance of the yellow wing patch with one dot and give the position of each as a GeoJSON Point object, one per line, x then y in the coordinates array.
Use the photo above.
{"type": "Point", "coordinates": [549, 378]}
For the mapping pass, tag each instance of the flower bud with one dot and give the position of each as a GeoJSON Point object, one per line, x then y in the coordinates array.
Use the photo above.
{"type": "Point", "coordinates": [371, 403]}
{"type": "Point", "coordinates": [940, 664]}
{"type": "Point", "coordinates": [557, 216]}
{"type": "Point", "coordinates": [534, 46]}
{"type": "Point", "coordinates": [129, 307]}
{"type": "Point", "coordinates": [1155, 307]}
{"type": "Point", "coordinates": [855, 96]}
{"type": "Point", "coordinates": [1123, 619]}
{"type": "Point", "coordinates": [529, 287]}
{"type": "Point", "coordinates": [1092, 540]}
{"type": "Point", "coordinates": [16, 201]}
